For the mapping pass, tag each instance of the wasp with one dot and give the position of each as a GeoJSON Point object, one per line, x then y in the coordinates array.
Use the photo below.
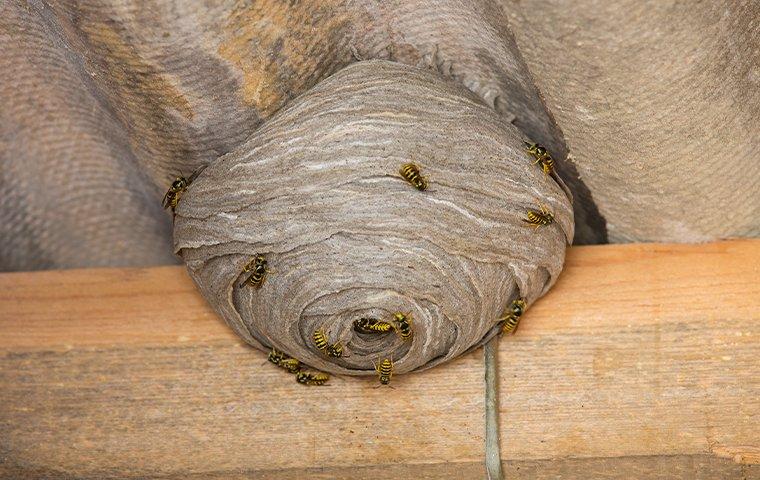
{"type": "Point", "coordinates": [542, 156]}
{"type": "Point", "coordinates": [309, 378]}
{"type": "Point", "coordinates": [512, 318]}
{"type": "Point", "coordinates": [276, 356]}
{"type": "Point", "coordinates": [372, 325]}
{"type": "Point", "coordinates": [537, 218]}
{"type": "Point", "coordinates": [258, 269]}
{"type": "Point", "coordinates": [177, 188]}
{"type": "Point", "coordinates": [335, 350]}
{"type": "Point", "coordinates": [411, 173]}
{"type": "Point", "coordinates": [320, 339]}
{"type": "Point", "coordinates": [291, 365]}
{"type": "Point", "coordinates": [385, 371]}
{"type": "Point", "coordinates": [283, 361]}
{"type": "Point", "coordinates": [172, 196]}
{"type": "Point", "coordinates": [403, 325]}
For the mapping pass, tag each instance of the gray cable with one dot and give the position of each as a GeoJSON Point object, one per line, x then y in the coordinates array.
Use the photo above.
{"type": "Point", "coordinates": [493, 450]}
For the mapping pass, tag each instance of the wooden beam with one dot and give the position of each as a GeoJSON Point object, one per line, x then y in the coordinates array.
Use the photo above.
{"type": "Point", "coordinates": [642, 362]}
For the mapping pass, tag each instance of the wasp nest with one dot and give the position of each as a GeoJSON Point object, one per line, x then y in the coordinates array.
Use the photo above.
{"type": "Point", "coordinates": [317, 192]}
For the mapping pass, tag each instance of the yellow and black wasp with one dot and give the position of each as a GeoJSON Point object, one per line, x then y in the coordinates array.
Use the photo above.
{"type": "Point", "coordinates": [276, 356]}
{"type": "Point", "coordinates": [177, 188]}
{"type": "Point", "coordinates": [173, 195]}
{"type": "Point", "coordinates": [258, 269]}
{"type": "Point", "coordinates": [411, 173]}
{"type": "Point", "coordinates": [283, 361]}
{"type": "Point", "coordinates": [309, 378]}
{"type": "Point", "coordinates": [385, 371]}
{"type": "Point", "coordinates": [512, 317]}
{"type": "Point", "coordinates": [536, 218]}
{"type": "Point", "coordinates": [403, 325]}
{"type": "Point", "coordinates": [321, 341]}
{"type": "Point", "coordinates": [291, 365]}
{"type": "Point", "coordinates": [372, 325]}
{"type": "Point", "coordinates": [542, 157]}
{"type": "Point", "coordinates": [335, 350]}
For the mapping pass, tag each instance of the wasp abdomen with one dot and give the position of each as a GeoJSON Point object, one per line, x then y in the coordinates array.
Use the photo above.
{"type": "Point", "coordinates": [537, 218]}
{"type": "Point", "coordinates": [320, 339]}
{"type": "Point", "coordinates": [385, 371]}
{"type": "Point", "coordinates": [510, 321]}
{"type": "Point", "coordinates": [372, 325]}
{"type": "Point", "coordinates": [411, 173]}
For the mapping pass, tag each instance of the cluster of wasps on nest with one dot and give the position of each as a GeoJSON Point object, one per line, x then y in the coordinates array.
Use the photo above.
{"type": "Point", "coordinates": [542, 216]}
{"type": "Point", "coordinates": [401, 324]}
{"type": "Point", "coordinates": [256, 271]}
{"type": "Point", "coordinates": [535, 218]}
{"type": "Point", "coordinates": [292, 365]}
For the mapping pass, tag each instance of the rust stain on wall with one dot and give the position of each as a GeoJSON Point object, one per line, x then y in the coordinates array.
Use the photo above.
{"type": "Point", "coordinates": [282, 49]}
{"type": "Point", "coordinates": [129, 72]}
{"type": "Point", "coordinates": [145, 97]}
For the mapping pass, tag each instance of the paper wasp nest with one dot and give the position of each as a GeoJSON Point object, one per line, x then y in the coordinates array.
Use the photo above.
{"type": "Point", "coordinates": [317, 191]}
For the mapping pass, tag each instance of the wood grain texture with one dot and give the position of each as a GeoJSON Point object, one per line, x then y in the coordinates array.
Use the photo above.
{"type": "Point", "coordinates": [641, 363]}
